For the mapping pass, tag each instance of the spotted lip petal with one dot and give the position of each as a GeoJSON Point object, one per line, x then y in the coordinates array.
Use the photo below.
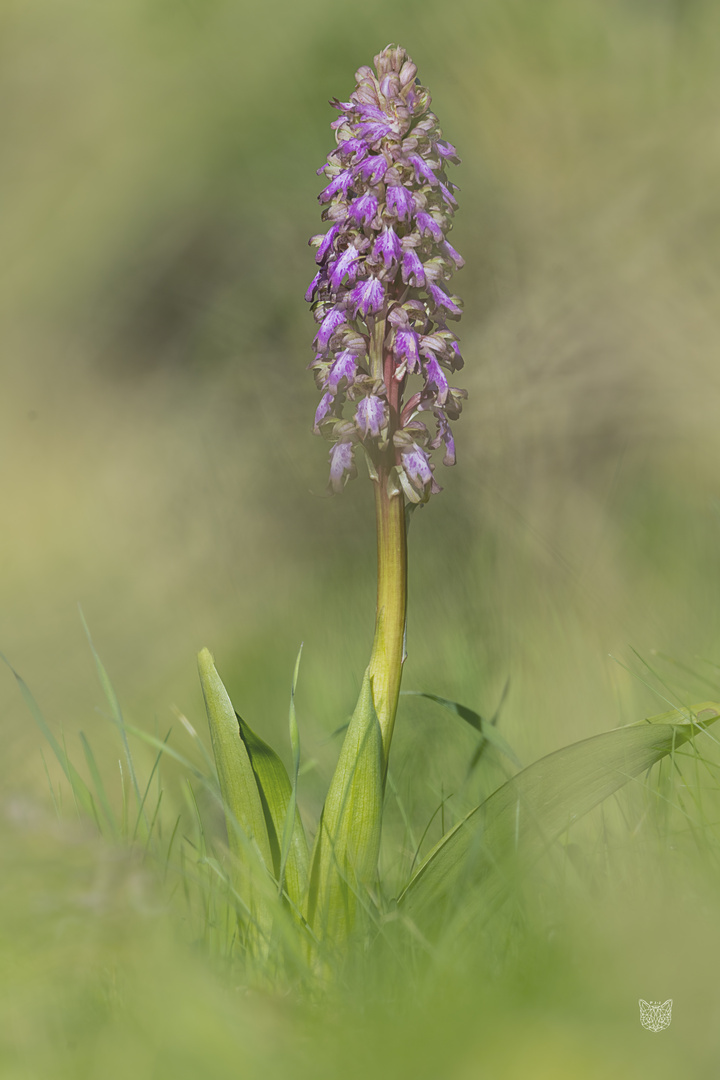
{"type": "Point", "coordinates": [388, 246]}
{"type": "Point", "coordinates": [344, 367]}
{"type": "Point", "coordinates": [370, 415]}
{"type": "Point", "coordinates": [406, 347]}
{"type": "Point", "coordinates": [413, 271]}
{"type": "Point", "coordinates": [399, 201]}
{"type": "Point", "coordinates": [341, 463]}
{"type": "Point", "coordinates": [368, 296]}
{"type": "Point", "coordinates": [364, 209]}
{"type": "Point", "coordinates": [340, 184]}
{"type": "Point", "coordinates": [334, 318]}
{"type": "Point", "coordinates": [343, 265]}
{"type": "Point", "coordinates": [378, 293]}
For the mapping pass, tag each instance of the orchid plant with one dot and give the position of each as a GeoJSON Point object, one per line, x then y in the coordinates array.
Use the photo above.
{"type": "Point", "coordinates": [384, 358]}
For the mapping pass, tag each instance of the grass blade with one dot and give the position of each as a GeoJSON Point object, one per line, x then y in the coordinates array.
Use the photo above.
{"type": "Point", "coordinates": [81, 792]}
{"type": "Point", "coordinates": [294, 853]}
{"type": "Point", "coordinates": [532, 809]}
{"type": "Point", "coordinates": [154, 769]}
{"type": "Point", "coordinates": [115, 711]}
{"type": "Point", "coordinates": [99, 785]}
{"type": "Point", "coordinates": [486, 728]}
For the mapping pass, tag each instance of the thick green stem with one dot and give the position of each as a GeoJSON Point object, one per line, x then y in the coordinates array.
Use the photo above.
{"type": "Point", "coordinates": [388, 653]}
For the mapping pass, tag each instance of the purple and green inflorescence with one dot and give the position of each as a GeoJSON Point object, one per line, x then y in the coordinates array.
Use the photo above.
{"type": "Point", "coordinates": [383, 343]}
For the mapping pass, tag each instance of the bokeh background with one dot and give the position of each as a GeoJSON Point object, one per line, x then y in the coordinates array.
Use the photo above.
{"type": "Point", "coordinates": [159, 186]}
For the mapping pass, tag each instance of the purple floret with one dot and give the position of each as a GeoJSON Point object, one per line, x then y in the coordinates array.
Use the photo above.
{"type": "Point", "coordinates": [341, 266]}
{"type": "Point", "coordinates": [364, 209]}
{"type": "Point", "coordinates": [368, 296]}
{"type": "Point", "coordinates": [413, 271]}
{"type": "Point", "coordinates": [370, 415]}
{"type": "Point", "coordinates": [400, 201]}
{"type": "Point", "coordinates": [388, 246]}
{"type": "Point", "coordinates": [344, 367]}
{"type": "Point", "coordinates": [334, 318]}
{"type": "Point", "coordinates": [341, 462]}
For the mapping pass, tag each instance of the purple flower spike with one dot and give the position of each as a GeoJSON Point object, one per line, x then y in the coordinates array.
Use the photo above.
{"type": "Point", "coordinates": [388, 246]}
{"type": "Point", "coordinates": [370, 415]}
{"type": "Point", "coordinates": [383, 350]}
{"type": "Point", "coordinates": [413, 271]}
{"type": "Point", "coordinates": [341, 462]}
{"type": "Point", "coordinates": [368, 296]}
{"type": "Point", "coordinates": [400, 202]}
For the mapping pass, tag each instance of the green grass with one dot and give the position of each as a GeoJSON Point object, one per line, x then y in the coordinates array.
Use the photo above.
{"type": "Point", "coordinates": [130, 947]}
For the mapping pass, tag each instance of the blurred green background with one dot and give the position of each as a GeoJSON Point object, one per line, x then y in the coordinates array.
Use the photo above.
{"type": "Point", "coordinates": [158, 177]}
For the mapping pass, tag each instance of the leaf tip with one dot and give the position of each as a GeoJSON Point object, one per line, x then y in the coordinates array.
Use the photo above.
{"type": "Point", "coordinates": [206, 664]}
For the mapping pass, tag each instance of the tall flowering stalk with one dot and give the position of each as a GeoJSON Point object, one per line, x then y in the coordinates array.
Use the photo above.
{"type": "Point", "coordinates": [384, 353]}
{"type": "Point", "coordinates": [383, 359]}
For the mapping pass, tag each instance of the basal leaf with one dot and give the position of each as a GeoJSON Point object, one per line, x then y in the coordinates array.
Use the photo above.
{"type": "Point", "coordinates": [345, 854]}
{"type": "Point", "coordinates": [238, 786]}
{"type": "Point", "coordinates": [532, 809]}
{"type": "Point", "coordinates": [276, 794]}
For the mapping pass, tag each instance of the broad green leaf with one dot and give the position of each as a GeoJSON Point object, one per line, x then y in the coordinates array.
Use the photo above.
{"type": "Point", "coordinates": [238, 786]}
{"type": "Point", "coordinates": [276, 794]}
{"type": "Point", "coordinates": [345, 854]}
{"type": "Point", "coordinates": [484, 727]}
{"type": "Point", "coordinates": [532, 809]}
